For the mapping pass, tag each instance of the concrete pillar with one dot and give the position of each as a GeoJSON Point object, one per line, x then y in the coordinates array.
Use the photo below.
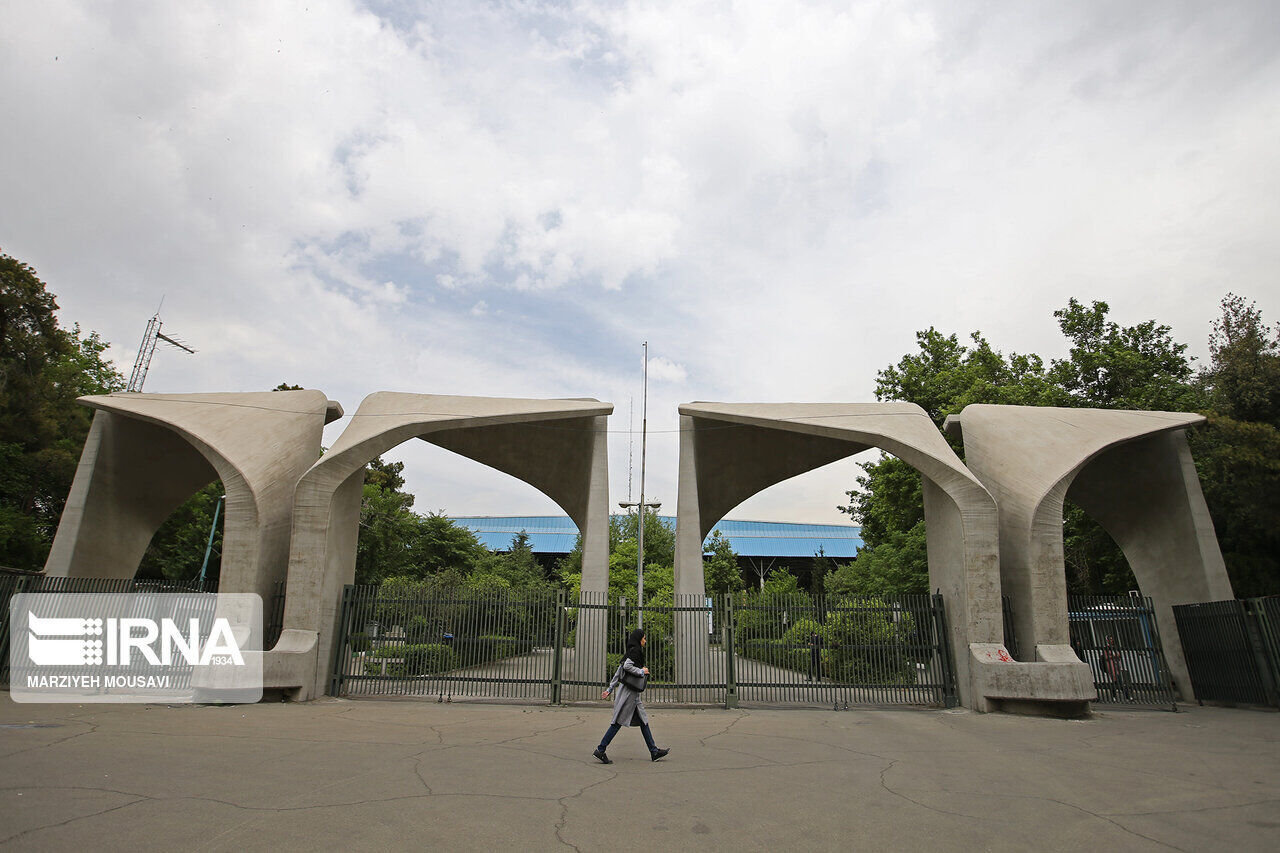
{"type": "Point", "coordinates": [557, 446]}
{"type": "Point", "coordinates": [1132, 472]}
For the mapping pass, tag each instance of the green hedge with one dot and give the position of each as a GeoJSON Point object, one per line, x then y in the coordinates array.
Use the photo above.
{"type": "Point", "coordinates": [870, 644]}
{"type": "Point", "coordinates": [414, 659]}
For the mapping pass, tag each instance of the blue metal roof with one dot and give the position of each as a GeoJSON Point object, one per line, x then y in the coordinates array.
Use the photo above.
{"type": "Point", "coordinates": [556, 534]}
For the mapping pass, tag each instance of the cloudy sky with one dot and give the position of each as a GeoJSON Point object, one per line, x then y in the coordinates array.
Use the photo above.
{"type": "Point", "coordinates": [506, 199]}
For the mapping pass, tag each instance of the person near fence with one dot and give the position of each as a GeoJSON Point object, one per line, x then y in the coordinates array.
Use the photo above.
{"type": "Point", "coordinates": [815, 657]}
{"type": "Point", "coordinates": [628, 707]}
{"type": "Point", "coordinates": [1115, 673]}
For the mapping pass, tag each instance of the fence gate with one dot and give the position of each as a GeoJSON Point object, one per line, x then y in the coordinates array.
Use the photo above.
{"type": "Point", "coordinates": [499, 645]}
{"type": "Point", "coordinates": [771, 650]}
{"type": "Point", "coordinates": [838, 651]}
{"type": "Point", "coordinates": [1117, 636]}
{"type": "Point", "coordinates": [1232, 649]}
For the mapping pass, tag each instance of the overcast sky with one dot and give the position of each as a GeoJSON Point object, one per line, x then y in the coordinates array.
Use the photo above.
{"type": "Point", "coordinates": [506, 199]}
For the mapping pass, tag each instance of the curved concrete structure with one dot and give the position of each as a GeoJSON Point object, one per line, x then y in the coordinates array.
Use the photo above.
{"type": "Point", "coordinates": [729, 452]}
{"type": "Point", "coordinates": [559, 447]}
{"type": "Point", "coordinates": [147, 453]}
{"type": "Point", "coordinates": [1129, 470]}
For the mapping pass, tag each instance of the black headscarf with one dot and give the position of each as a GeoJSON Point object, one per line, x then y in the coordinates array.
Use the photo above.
{"type": "Point", "coordinates": [635, 651]}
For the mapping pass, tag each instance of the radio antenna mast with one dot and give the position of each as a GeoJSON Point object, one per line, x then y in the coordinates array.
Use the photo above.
{"type": "Point", "coordinates": [631, 440]}
{"type": "Point", "coordinates": [149, 339]}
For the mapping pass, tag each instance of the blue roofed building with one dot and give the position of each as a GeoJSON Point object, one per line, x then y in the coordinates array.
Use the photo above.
{"type": "Point", "coordinates": [761, 546]}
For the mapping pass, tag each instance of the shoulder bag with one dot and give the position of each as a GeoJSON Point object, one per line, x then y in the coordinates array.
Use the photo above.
{"type": "Point", "coordinates": [633, 682]}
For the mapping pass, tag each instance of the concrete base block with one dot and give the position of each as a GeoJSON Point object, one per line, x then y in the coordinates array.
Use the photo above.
{"type": "Point", "coordinates": [290, 668]}
{"type": "Point", "coordinates": [1055, 687]}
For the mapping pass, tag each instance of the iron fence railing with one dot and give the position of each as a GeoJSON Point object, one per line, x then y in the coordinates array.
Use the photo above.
{"type": "Point", "coordinates": [501, 644]}
{"type": "Point", "coordinates": [700, 649]}
{"type": "Point", "coordinates": [1232, 649]}
{"type": "Point", "coordinates": [840, 650]}
{"type": "Point", "coordinates": [1118, 637]}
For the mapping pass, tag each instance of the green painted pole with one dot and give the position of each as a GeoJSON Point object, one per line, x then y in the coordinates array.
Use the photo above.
{"type": "Point", "coordinates": [213, 528]}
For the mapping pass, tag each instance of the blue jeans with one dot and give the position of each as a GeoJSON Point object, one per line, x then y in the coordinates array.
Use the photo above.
{"type": "Point", "coordinates": [613, 730]}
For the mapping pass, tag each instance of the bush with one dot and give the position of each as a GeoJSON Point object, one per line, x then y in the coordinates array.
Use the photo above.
{"type": "Point", "coordinates": [358, 642]}
{"type": "Point", "coordinates": [411, 660]}
{"type": "Point", "coordinates": [870, 644]}
{"type": "Point", "coordinates": [472, 651]}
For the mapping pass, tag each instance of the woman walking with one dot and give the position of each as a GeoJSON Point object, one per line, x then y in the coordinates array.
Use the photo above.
{"type": "Point", "coordinates": [628, 708]}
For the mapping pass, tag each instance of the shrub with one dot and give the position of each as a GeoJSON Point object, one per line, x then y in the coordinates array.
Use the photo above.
{"type": "Point", "coordinates": [870, 644]}
{"type": "Point", "coordinates": [411, 660]}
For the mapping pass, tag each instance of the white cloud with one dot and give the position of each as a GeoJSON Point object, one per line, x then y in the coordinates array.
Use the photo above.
{"type": "Point", "coordinates": [665, 370]}
{"type": "Point", "coordinates": [775, 195]}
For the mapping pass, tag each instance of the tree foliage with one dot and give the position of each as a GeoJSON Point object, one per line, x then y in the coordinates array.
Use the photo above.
{"type": "Point", "coordinates": [43, 369]}
{"type": "Point", "coordinates": [720, 566]}
{"type": "Point", "coordinates": [1108, 366]}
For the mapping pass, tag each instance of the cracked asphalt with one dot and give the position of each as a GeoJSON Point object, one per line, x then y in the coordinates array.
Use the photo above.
{"type": "Point", "coordinates": [381, 774]}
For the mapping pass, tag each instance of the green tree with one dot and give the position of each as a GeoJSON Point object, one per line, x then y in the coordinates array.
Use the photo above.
{"type": "Point", "coordinates": [1109, 366]}
{"type": "Point", "coordinates": [720, 566]}
{"type": "Point", "coordinates": [176, 551]}
{"type": "Point", "coordinates": [388, 525]}
{"type": "Point", "coordinates": [942, 377]}
{"type": "Point", "coordinates": [1237, 452]}
{"type": "Point", "coordinates": [822, 568]}
{"type": "Point", "coordinates": [516, 568]}
{"type": "Point", "coordinates": [897, 566]}
{"type": "Point", "coordinates": [1122, 367]}
{"type": "Point", "coordinates": [1243, 380]}
{"type": "Point", "coordinates": [43, 369]}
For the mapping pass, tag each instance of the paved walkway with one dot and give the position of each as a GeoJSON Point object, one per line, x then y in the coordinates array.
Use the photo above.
{"type": "Point", "coordinates": [385, 774]}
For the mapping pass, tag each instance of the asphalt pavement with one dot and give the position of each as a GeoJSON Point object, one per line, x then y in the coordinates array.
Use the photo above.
{"type": "Point", "coordinates": [416, 774]}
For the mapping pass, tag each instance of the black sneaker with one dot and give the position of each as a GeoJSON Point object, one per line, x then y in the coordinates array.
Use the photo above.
{"type": "Point", "coordinates": [605, 759]}
{"type": "Point", "coordinates": [658, 753]}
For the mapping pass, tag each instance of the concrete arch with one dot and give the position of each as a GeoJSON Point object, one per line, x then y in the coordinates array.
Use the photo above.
{"type": "Point", "coordinates": [147, 453]}
{"type": "Point", "coordinates": [729, 452]}
{"type": "Point", "coordinates": [559, 447]}
{"type": "Point", "coordinates": [1132, 472]}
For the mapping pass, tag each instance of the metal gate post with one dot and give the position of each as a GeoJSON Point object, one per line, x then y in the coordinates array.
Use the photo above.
{"type": "Point", "coordinates": [557, 657]}
{"type": "Point", "coordinates": [949, 698]}
{"type": "Point", "coordinates": [726, 643]}
{"type": "Point", "coordinates": [340, 641]}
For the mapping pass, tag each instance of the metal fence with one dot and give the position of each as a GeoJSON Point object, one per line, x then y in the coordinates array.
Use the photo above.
{"type": "Point", "coordinates": [838, 650]}
{"type": "Point", "coordinates": [13, 584]}
{"type": "Point", "coordinates": [700, 649]}
{"type": "Point", "coordinates": [1232, 649]}
{"type": "Point", "coordinates": [681, 647]}
{"type": "Point", "coordinates": [1117, 636]}
{"type": "Point", "coordinates": [497, 644]}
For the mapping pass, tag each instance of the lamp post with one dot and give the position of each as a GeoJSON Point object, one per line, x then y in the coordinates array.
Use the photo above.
{"type": "Point", "coordinates": [655, 506]}
{"type": "Point", "coordinates": [640, 505]}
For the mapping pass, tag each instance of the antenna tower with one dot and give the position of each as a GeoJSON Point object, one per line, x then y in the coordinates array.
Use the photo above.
{"type": "Point", "coordinates": [149, 339]}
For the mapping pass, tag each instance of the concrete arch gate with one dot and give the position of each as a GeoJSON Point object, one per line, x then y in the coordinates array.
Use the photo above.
{"type": "Point", "coordinates": [729, 452]}
{"type": "Point", "coordinates": [1132, 472]}
{"type": "Point", "coordinates": [147, 453]}
{"type": "Point", "coordinates": [993, 526]}
{"type": "Point", "coordinates": [558, 446]}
